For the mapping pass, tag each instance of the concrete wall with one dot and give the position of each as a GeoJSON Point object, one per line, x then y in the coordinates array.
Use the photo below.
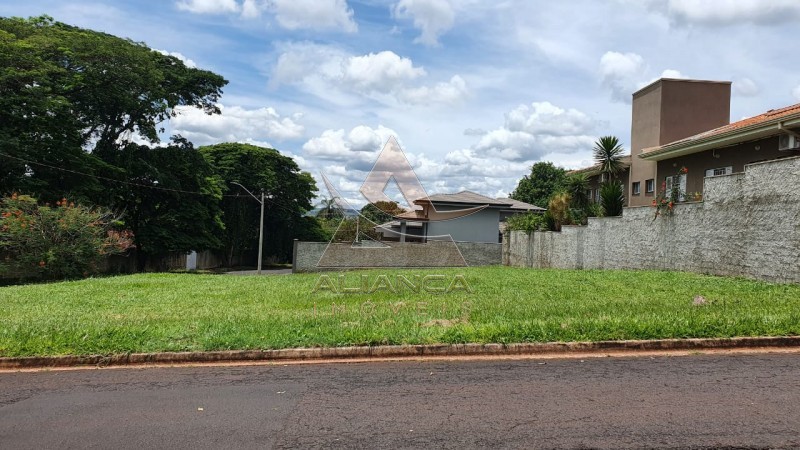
{"type": "Point", "coordinates": [312, 256]}
{"type": "Point", "coordinates": [747, 225]}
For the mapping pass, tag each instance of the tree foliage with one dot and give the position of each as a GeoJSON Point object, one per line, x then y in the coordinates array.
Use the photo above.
{"type": "Point", "coordinates": [608, 154]}
{"type": "Point", "coordinates": [70, 97]}
{"type": "Point", "coordinates": [381, 212]}
{"type": "Point", "coordinates": [612, 198]}
{"type": "Point", "coordinates": [61, 241]}
{"type": "Point", "coordinates": [71, 103]}
{"type": "Point", "coordinates": [289, 193]}
{"type": "Point", "coordinates": [173, 205]}
{"type": "Point", "coordinates": [537, 188]}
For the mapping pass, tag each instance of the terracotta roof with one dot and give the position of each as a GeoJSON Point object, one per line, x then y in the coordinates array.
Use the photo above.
{"type": "Point", "coordinates": [773, 115]}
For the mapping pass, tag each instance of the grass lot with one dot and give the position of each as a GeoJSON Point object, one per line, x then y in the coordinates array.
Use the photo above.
{"type": "Point", "coordinates": [181, 312]}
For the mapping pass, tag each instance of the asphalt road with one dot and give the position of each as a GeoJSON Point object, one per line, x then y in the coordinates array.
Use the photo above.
{"type": "Point", "coordinates": [740, 401]}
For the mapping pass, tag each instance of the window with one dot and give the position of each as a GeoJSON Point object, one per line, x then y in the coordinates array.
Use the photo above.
{"type": "Point", "coordinates": [650, 186]}
{"type": "Point", "coordinates": [679, 180]}
{"type": "Point", "coordinates": [637, 188]}
{"type": "Point", "coordinates": [719, 171]}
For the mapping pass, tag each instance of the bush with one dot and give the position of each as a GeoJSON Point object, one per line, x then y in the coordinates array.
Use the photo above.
{"type": "Point", "coordinates": [559, 210]}
{"type": "Point", "coordinates": [612, 198]}
{"type": "Point", "coordinates": [526, 222]}
{"type": "Point", "coordinates": [59, 242]}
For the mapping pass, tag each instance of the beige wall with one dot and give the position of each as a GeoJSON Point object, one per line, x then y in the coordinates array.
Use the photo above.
{"type": "Point", "coordinates": [669, 110]}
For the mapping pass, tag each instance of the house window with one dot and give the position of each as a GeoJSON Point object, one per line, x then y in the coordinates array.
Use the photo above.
{"type": "Point", "coordinates": [680, 181]}
{"type": "Point", "coordinates": [650, 186]}
{"type": "Point", "coordinates": [719, 171]}
{"type": "Point", "coordinates": [637, 188]}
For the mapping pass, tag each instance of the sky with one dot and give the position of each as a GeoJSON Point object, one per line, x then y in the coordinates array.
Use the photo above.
{"type": "Point", "coordinates": [475, 91]}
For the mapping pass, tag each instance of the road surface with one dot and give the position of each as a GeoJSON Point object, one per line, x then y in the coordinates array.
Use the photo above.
{"type": "Point", "coordinates": [698, 401]}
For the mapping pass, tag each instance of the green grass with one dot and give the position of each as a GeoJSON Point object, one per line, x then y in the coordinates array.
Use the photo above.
{"type": "Point", "coordinates": [182, 312]}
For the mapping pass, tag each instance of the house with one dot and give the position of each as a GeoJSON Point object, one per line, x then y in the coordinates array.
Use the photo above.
{"type": "Point", "coordinates": [464, 217]}
{"type": "Point", "coordinates": [680, 123]}
{"type": "Point", "coordinates": [596, 178]}
{"type": "Point", "coordinates": [727, 149]}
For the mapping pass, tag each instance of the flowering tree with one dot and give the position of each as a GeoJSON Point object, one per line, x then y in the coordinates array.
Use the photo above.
{"type": "Point", "coordinates": [665, 202]}
{"type": "Point", "coordinates": [55, 242]}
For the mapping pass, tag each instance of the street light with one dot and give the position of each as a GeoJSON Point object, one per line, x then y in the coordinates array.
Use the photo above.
{"type": "Point", "coordinates": [261, 224]}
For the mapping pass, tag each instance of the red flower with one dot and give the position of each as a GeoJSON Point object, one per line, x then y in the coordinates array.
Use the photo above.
{"type": "Point", "coordinates": [654, 203]}
{"type": "Point", "coordinates": [671, 204]}
{"type": "Point", "coordinates": [684, 170]}
{"type": "Point", "coordinates": [41, 264]}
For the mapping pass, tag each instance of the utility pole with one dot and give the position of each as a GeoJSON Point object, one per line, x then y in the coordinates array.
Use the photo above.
{"type": "Point", "coordinates": [261, 234]}
{"type": "Point", "coordinates": [260, 226]}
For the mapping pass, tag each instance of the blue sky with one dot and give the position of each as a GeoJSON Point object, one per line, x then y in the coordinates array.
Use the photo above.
{"type": "Point", "coordinates": [475, 91]}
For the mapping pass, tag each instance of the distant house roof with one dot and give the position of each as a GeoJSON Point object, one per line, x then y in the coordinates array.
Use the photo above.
{"type": "Point", "coordinates": [469, 200]}
{"type": "Point", "coordinates": [464, 197]}
{"type": "Point", "coordinates": [595, 169]}
{"type": "Point", "coordinates": [522, 206]}
{"type": "Point", "coordinates": [763, 125]}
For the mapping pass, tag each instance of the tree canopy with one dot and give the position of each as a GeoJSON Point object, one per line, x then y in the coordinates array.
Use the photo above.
{"type": "Point", "coordinates": [381, 212]}
{"type": "Point", "coordinates": [289, 193]}
{"type": "Point", "coordinates": [72, 101]}
{"type": "Point", "coordinates": [70, 97]}
{"type": "Point", "coordinates": [537, 188]}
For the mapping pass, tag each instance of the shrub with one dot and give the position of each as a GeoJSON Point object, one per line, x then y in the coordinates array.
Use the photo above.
{"type": "Point", "coordinates": [526, 222]}
{"type": "Point", "coordinates": [666, 199]}
{"type": "Point", "coordinates": [559, 210]}
{"type": "Point", "coordinates": [58, 242]}
{"type": "Point", "coordinates": [611, 198]}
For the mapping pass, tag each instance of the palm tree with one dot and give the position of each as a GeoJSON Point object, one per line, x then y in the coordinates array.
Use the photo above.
{"type": "Point", "coordinates": [329, 209]}
{"type": "Point", "coordinates": [608, 154]}
{"type": "Point", "coordinates": [577, 186]}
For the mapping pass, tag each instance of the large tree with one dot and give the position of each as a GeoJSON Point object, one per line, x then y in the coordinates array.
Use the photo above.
{"type": "Point", "coordinates": [71, 97]}
{"type": "Point", "coordinates": [289, 193]}
{"type": "Point", "coordinates": [537, 188]}
{"type": "Point", "coordinates": [171, 200]}
{"type": "Point", "coordinates": [71, 103]}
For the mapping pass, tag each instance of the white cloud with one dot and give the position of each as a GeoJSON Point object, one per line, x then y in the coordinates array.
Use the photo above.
{"type": "Point", "coordinates": [289, 14]}
{"type": "Point", "coordinates": [621, 73]}
{"type": "Point", "coordinates": [729, 12]}
{"type": "Point", "coordinates": [672, 73]}
{"type": "Point", "coordinates": [358, 148]}
{"type": "Point", "coordinates": [381, 72]}
{"type": "Point", "coordinates": [449, 92]}
{"type": "Point", "coordinates": [745, 87]}
{"type": "Point", "coordinates": [235, 124]}
{"type": "Point", "coordinates": [548, 119]}
{"type": "Point", "coordinates": [186, 61]}
{"type": "Point", "coordinates": [530, 132]}
{"type": "Point", "coordinates": [796, 92]}
{"type": "Point", "coordinates": [208, 6]}
{"type": "Point", "coordinates": [431, 17]}
{"type": "Point", "coordinates": [314, 14]}
{"type": "Point", "coordinates": [385, 76]}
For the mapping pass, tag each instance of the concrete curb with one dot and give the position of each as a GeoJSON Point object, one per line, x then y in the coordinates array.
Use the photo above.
{"type": "Point", "coordinates": [398, 351]}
